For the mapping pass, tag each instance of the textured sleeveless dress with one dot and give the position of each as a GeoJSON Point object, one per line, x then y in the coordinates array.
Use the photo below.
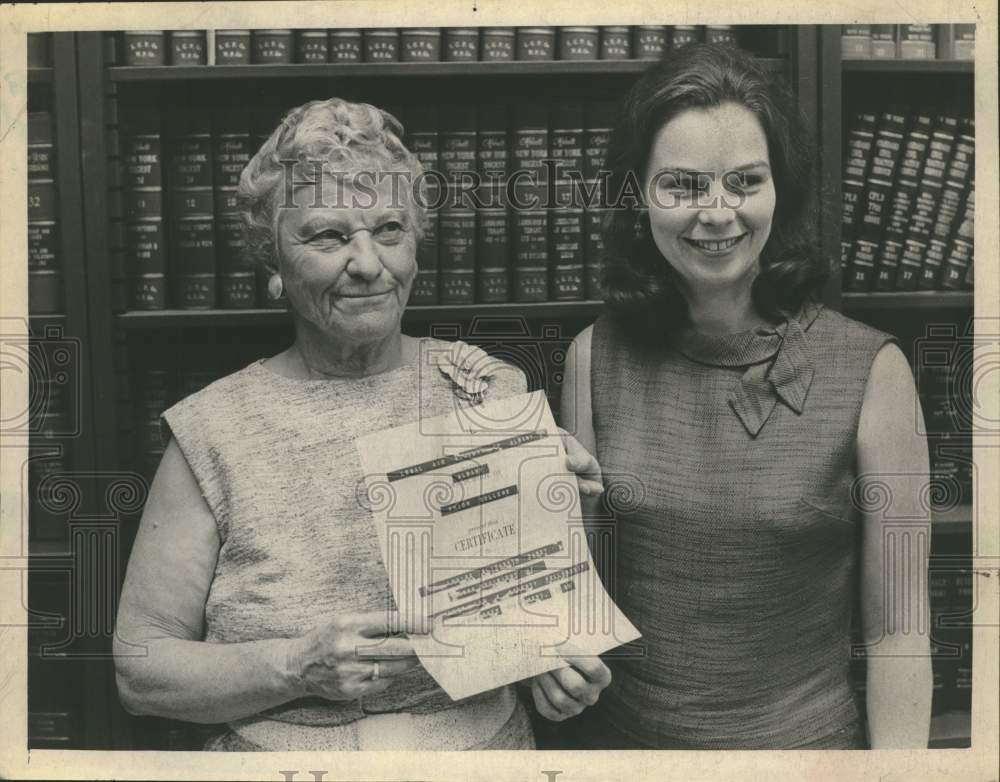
{"type": "Point", "coordinates": [738, 559]}
{"type": "Point", "coordinates": [275, 460]}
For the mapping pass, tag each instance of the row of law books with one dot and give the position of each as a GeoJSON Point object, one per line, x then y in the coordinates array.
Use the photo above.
{"type": "Point", "coordinates": [176, 228]}
{"type": "Point", "coordinates": [908, 201]}
{"type": "Point", "coordinates": [908, 41]}
{"type": "Point", "coordinates": [44, 266]}
{"type": "Point", "coordinates": [427, 44]}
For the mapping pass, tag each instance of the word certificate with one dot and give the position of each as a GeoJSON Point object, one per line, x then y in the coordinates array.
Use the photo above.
{"type": "Point", "coordinates": [480, 528]}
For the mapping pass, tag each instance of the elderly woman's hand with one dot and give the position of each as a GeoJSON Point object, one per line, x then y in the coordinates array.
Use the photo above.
{"type": "Point", "coordinates": [580, 461]}
{"type": "Point", "coordinates": [353, 656]}
{"type": "Point", "coordinates": [565, 692]}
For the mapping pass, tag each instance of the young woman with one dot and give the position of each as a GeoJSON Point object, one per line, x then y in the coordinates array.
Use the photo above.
{"type": "Point", "coordinates": [757, 428]}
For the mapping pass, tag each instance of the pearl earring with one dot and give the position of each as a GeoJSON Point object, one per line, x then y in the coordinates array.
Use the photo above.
{"type": "Point", "coordinates": [275, 287]}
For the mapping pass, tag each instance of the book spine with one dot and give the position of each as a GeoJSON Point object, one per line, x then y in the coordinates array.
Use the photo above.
{"type": "Point", "coordinates": [423, 141]}
{"type": "Point", "coordinates": [916, 42]}
{"type": "Point", "coordinates": [860, 143]}
{"type": "Point", "coordinates": [960, 169]}
{"type": "Point", "coordinates": [925, 208]}
{"type": "Point", "coordinates": [597, 133]}
{"type": "Point", "coordinates": [904, 195]}
{"type": "Point", "coordinates": [884, 43]}
{"type": "Point", "coordinates": [231, 151]}
{"type": "Point", "coordinates": [457, 257]}
{"type": "Point", "coordinates": [856, 41]}
{"type": "Point", "coordinates": [142, 197]}
{"type": "Point", "coordinates": [55, 714]}
{"type": "Point", "coordinates": [881, 174]}
{"type": "Point", "coordinates": [145, 47]}
{"type": "Point", "coordinates": [44, 270]}
{"type": "Point", "coordinates": [271, 47]}
{"type": "Point", "coordinates": [964, 41]}
{"type": "Point", "coordinates": [121, 277]}
{"type": "Point", "coordinates": [566, 227]}
{"type": "Point", "coordinates": [191, 204]}
{"type": "Point", "coordinates": [44, 463]}
{"type": "Point", "coordinates": [958, 262]}
{"type": "Point", "coordinates": [530, 146]}
{"type": "Point", "coordinates": [188, 47]}
{"type": "Point", "coordinates": [566, 247]}
{"type": "Point", "coordinates": [492, 232]}
{"type": "Point", "coordinates": [312, 46]}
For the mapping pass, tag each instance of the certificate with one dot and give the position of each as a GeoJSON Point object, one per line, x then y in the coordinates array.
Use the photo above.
{"type": "Point", "coordinates": [479, 525]}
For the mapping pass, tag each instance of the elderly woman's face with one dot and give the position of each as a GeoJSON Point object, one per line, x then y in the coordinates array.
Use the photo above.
{"type": "Point", "coordinates": [711, 196]}
{"type": "Point", "coordinates": [348, 263]}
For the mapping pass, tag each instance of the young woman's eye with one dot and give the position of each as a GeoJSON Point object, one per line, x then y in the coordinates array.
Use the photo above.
{"type": "Point", "coordinates": [739, 181]}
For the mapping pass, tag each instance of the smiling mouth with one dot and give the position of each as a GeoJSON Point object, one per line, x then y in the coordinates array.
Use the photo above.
{"type": "Point", "coordinates": [363, 295]}
{"type": "Point", "coordinates": [715, 245]}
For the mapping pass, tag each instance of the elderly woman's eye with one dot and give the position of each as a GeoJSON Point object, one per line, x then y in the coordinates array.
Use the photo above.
{"type": "Point", "coordinates": [391, 231]}
{"type": "Point", "coordinates": [330, 236]}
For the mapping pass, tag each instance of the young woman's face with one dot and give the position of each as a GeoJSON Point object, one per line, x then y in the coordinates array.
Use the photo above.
{"type": "Point", "coordinates": [348, 263]}
{"type": "Point", "coordinates": [711, 197]}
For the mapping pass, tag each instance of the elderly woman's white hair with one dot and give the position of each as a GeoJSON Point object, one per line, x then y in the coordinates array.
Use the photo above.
{"type": "Point", "coordinates": [342, 136]}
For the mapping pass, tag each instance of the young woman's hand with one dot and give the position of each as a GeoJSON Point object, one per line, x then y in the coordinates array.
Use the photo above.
{"type": "Point", "coordinates": [580, 461]}
{"type": "Point", "coordinates": [565, 692]}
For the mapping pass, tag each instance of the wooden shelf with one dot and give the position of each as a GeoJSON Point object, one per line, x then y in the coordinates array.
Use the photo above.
{"type": "Point", "coordinates": [922, 300]}
{"type": "Point", "coordinates": [958, 518]}
{"type": "Point", "coordinates": [39, 75]}
{"type": "Point", "coordinates": [909, 66]}
{"type": "Point", "coordinates": [172, 319]}
{"type": "Point", "coordinates": [395, 70]}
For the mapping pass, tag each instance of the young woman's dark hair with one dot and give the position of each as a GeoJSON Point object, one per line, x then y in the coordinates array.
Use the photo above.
{"type": "Point", "coordinates": [640, 285]}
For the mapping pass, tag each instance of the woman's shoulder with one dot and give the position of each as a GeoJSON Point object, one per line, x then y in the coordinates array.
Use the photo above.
{"type": "Point", "coordinates": [831, 326]}
{"type": "Point", "coordinates": [470, 370]}
{"type": "Point", "coordinates": [232, 390]}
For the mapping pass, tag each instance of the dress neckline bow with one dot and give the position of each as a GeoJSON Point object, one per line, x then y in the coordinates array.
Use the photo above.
{"type": "Point", "coordinates": [779, 365]}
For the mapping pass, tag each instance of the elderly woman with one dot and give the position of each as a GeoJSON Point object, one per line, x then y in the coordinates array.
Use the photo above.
{"type": "Point", "coordinates": [754, 422]}
{"type": "Point", "coordinates": [256, 578]}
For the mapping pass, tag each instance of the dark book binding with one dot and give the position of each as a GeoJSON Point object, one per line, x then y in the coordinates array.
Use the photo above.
{"type": "Point", "coordinates": [44, 271]}
{"type": "Point", "coordinates": [924, 212]}
{"type": "Point", "coordinates": [231, 151]}
{"type": "Point", "coordinates": [191, 208]}
{"type": "Point", "coordinates": [142, 201]}
{"type": "Point", "coordinates": [886, 152]}
{"type": "Point", "coordinates": [423, 141]}
{"type": "Point", "coordinates": [860, 143]}
{"type": "Point", "coordinates": [903, 198]}
{"type": "Point", "coordinates": [960, 170]}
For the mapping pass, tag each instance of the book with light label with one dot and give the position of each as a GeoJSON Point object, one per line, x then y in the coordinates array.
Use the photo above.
{"type": "Point", "coordinates": [886, 153]}
{"type": "Point", "coordinates": [860, 143]}
{"type": "Point", "coordinates": [904, 195]}
{"type": "Point", "coordinates": [961, 167]}
{"type": "Point", "coordinates": [924, 212]}
{"type": "Point", "coordinates": [191, 207]}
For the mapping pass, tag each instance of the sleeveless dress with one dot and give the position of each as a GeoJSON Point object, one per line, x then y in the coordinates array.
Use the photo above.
{"type": "Point", "coordinates": [275, 460]}
{"type": "Point", "coordinates": [738, 558]}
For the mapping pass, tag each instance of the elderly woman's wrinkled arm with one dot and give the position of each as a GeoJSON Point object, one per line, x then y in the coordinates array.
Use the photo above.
{"type": "Point", "coordinates": [165, 669]}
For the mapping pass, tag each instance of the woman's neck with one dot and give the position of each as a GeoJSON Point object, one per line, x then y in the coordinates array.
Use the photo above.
{"type": "Point", "coordinates": [318, 357]}
{"type": "Point", "coordinates": [717, 313]}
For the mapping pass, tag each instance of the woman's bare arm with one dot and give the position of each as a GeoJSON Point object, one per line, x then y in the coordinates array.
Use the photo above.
{"type": "Point", "coordinates": [895, 548]}
{"type": "Point", "coordinates": [164, 668]}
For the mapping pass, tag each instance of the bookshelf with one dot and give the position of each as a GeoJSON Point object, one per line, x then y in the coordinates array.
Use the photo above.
{"type": "Point", "coordinates": [122, 343]}
{"type": "Point", "coordinates": [400, 70]}
{"type": "Point", "coordinates": [850, 84]}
